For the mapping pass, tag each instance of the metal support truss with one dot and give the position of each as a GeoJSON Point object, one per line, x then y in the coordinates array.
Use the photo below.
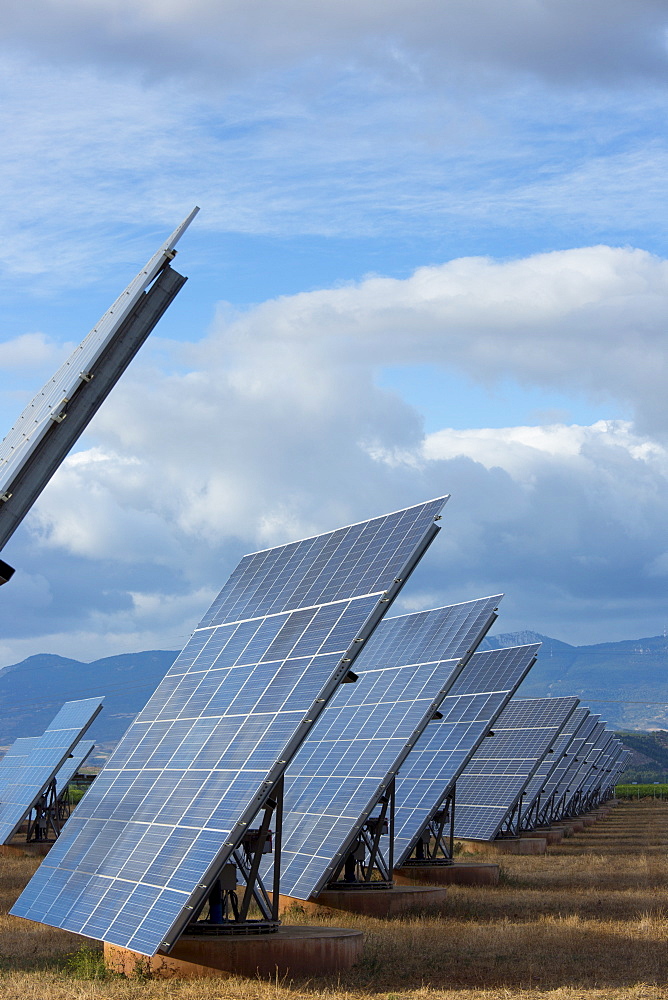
{"type": "Point", "coordinates": [512, 824]}
{"type": "Point", "coordinates": [436, 842]}
{"type": "Point", "coordinates": [225, 910]}
{"type": "Point", "coordinates": [365, 866]}
{"type": "Point", "coordinates": [530, 819]}
{"type": "Point", "coordinates": [45, 816]}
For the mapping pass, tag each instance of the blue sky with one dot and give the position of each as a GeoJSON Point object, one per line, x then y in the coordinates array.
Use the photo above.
{"type": "Point", "coordinates": [430, 258]}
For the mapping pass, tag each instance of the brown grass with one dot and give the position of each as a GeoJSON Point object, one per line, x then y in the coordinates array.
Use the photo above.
{"type": "Point", "coordinates": [588, 921]}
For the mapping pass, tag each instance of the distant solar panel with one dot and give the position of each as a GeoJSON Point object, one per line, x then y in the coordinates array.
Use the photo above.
{"type": "Point", "coordinates": [367, 729]}
{"type": "Point", "coordinates": [171, 806]}
{"type": "Point", "coordinates": [28, 774]}
{"type": "Point", "coordinates": [577, 802]}
{"type": "Point", "coordinates": [572, 782]}
{"type": "Point", "coordinates": [440, 755]}
{"type": "Point", "coordinates": [491, 786]}
{"type": "Point", "coordinates": [538, 789]}
{"type": "Point", "coordinates": [558, 787]}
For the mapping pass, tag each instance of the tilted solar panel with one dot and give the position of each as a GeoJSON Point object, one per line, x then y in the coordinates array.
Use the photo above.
{"type": "Point", "coordinates": [47, 404]}
{"type": "Point", "coordinates": [34, 770]}
{"type": "Point", "coordinates": [576, 802]}
{"type": "Point", "coordinates": [538, 789]}
{"type": "Point", "coordinates": [492, 784]}
{"type": "Point", "coordinates": [439, 756]}
{"type": "Point", "coordinates": [576, 773]}
{"type": "Point", "coordinates": [173, 801]}
{"type": "Point", "coordinates": [345, 765]}
{"type": "Point", "coordinates": [559, 783]}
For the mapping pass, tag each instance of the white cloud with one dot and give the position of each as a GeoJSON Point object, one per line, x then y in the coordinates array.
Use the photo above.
{"type": "Point", "coordinates": [278, 431]}
{"type": "Point", "coordinates": [28, 350]}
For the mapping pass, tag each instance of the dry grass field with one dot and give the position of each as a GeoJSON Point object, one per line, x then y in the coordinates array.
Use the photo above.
{"type": "Point", "coordinates": [588, 921]}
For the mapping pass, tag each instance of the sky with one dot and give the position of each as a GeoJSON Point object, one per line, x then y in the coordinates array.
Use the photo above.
{"type": "Point", "coordinates": [430, 258]}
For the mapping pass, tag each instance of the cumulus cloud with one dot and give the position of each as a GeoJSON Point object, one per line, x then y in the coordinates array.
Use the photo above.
{"type": "Point", "coordinates": [278, 430]}
{"type": "Point", "coordinates": [28, 350]}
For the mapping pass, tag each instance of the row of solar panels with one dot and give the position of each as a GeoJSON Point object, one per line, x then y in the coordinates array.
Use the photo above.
{"type": "Point", "coordinates": [256, 709]}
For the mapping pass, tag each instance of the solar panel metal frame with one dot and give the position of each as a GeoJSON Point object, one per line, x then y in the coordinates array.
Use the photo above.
{"type": "Point", "coordinates": [45, 757]}
{"type": "Point", "coordinates": [264, 586]}
{"type": "Point", "coordinates": [492, 829]}
{"type": "Point", "coordinates": [427, 753]}
{"type": "Point", "coordinates": [392, 657]}
{"type": "Point", "coordinates": [39, 440]}
{"type": "Point", "coordinates": [598, 766]}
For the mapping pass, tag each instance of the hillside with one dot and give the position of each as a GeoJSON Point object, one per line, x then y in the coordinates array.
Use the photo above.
{"type": "Point", "coordinates": [625, 682]}
{"type": "Point", "coordinates": [31, 692]}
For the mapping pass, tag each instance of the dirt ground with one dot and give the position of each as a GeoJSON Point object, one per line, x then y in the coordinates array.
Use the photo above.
{"type": "Point", "coordinates": [587, 920]}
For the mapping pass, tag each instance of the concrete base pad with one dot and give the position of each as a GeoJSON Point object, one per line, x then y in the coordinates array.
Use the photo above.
{"type": "Point", "coordinates": [552, 836]}
{"type": "Point", "coordinates": [458, 873]}
{"type": "Point", "coordinates": [510, 845]}
{"type": "Point", "coordinates": [293, 951]}
{"type": "Point", "coordinates": [567, 828]}
{"type": "Point", "coordinates": [371, 902]}
{"type": "Point", "coordinates": [18, 848]}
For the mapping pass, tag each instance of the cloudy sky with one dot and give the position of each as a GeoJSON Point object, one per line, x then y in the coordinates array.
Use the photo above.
{"type": "Point", "coordinates": [431, 258]}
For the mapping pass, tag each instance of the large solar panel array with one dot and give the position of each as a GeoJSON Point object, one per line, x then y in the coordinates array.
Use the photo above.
{"type": "Point", "coordinates": [441, 753]}
{"type": "Point", "coordinates": [574, 775]}
{"type": "Point", "coordinates": [47, 404]}
{"type": "Point", "coordinates": [491, 785]}
{"type": "Point", "coordinates": [26, 774]}
{"type": "Point", "coordinates": [537, 790]}
{"type": "Point", "coordinates": [195, 767]}
{"type": "Point", "coordinates": [366, 731]}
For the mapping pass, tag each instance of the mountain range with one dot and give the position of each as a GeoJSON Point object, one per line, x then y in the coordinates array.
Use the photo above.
{"type": "Point", "coordinates": [625, 682]}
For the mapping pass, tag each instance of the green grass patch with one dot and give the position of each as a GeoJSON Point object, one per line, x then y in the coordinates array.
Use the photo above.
{"type": "Point", "coordinates": [641, 791]}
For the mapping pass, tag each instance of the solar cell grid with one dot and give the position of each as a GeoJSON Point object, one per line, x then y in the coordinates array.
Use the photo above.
{"type": "Point", "coordinates": [492, 784]}
{"type": "Point", "coordinates": [335, 781]}
{"type": "Point", "coordinates": [74, 761]}
{"type": "Point", "coordinates": [200, 760]}
{"type": "Point", "coordinates": [474, 702]}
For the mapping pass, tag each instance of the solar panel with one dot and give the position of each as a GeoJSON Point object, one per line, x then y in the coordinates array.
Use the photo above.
{"type": "Point", "coordinates": [578, 801]}
{"type": "Point", "coordinates": [39, 440]}
{"type": "Point", "coordinates": [491, 786]}
{"type": "Point", "coordinates": [25, 776]}
{"type": "Point", "coordinates": [439, 756]}
{"type": "Point", "coordinates": [168, 811]}
{"type": "Point", "coordinates": [576, 775]}
{"type": "Point", "coordinates": [558, 788]}
{"type": "Point", "coordinates": [537, 789]}
{"type": "Point", "coordinates": [367, 729]}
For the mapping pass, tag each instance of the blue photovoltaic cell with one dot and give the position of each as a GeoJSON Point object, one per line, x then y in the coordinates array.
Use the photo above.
{"type": "Point", "coordinates": [75, 760]}
{"type": "Point", "coordinates": [600, 775]}
{"type": "Point", "coordinates": [194, 768]}
{"type": "Point", "coordinates": [335, 781]}
{"type": "Point", "coordinates": [536, 791]}
{"type": "Point", "coordinates": [30, 764]}
{"type": "Point", "coordinates": [490, 787]}
{"type": "Point", "coordinates": [439, 756]}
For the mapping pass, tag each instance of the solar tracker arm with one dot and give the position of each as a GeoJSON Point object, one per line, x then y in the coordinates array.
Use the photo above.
{"type": "Point", "coordinates": [71, 420]}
